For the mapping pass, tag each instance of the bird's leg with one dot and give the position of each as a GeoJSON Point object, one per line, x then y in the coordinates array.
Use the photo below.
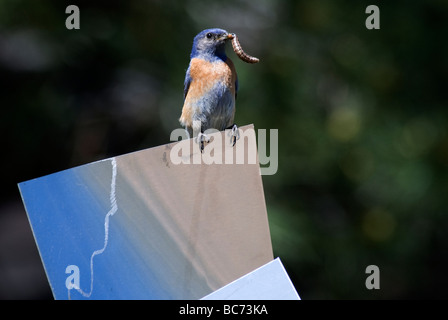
{"type": "Point", "coordinates": [201, 139]}
{"type": "Point", "coordinates": [198, 133]}
{"type": "Point", "coordinates": [234, 134]}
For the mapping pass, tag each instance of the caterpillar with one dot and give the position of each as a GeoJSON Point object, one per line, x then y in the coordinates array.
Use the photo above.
{"type": "Point", "coordinates": [239, 51]}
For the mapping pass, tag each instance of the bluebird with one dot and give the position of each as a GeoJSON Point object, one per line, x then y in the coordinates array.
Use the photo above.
{"type": "Point", "coordinates": [210, 87]}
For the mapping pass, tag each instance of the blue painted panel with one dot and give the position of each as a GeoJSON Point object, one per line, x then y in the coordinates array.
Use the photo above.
{"type": "Point", "coordinates": [70, 213]}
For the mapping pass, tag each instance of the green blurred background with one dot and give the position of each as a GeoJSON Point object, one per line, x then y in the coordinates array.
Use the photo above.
{"type": "Point", "coordinates": [362, 119]}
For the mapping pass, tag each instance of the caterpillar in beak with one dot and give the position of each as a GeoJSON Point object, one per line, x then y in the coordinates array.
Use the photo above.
{"type": "Point", "coordinates": [239, 50]}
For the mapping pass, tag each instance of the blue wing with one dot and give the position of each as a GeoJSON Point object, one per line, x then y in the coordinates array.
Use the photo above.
{"type": "Point", "coordinates": [236, 87]}
{"type": "Point", "coordinates": [187, 82]}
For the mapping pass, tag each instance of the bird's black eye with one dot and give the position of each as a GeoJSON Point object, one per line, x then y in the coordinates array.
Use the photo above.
{"type": "Point", "coordinates": [209, 35]}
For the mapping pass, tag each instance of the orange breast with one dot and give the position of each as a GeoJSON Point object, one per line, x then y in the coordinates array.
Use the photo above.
{"type": "Point", "coordinates": [204, 76]}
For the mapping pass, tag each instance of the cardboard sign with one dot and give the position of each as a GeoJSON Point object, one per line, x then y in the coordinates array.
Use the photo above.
{"type": "Point", "coordinates": [150, 224]}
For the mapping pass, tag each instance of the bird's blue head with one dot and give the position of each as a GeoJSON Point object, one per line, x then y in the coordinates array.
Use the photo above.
{"type": "Point", "coordinates": [209, 44]}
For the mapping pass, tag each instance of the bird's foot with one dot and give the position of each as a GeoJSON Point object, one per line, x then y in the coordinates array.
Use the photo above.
{"type": "Point", "coordinates": [234, 134]}
{"type": "Point", "coordinates": [201, 139]}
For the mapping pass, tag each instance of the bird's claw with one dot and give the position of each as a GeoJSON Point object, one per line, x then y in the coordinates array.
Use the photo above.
{"type": "Point", "coordinates": [201, 139]}
{"type": "Point", "coordinates": [234, 135]}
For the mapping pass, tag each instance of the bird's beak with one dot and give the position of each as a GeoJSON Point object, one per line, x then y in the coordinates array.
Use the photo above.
{"type": "Point", "coordinates": [227, 36]}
